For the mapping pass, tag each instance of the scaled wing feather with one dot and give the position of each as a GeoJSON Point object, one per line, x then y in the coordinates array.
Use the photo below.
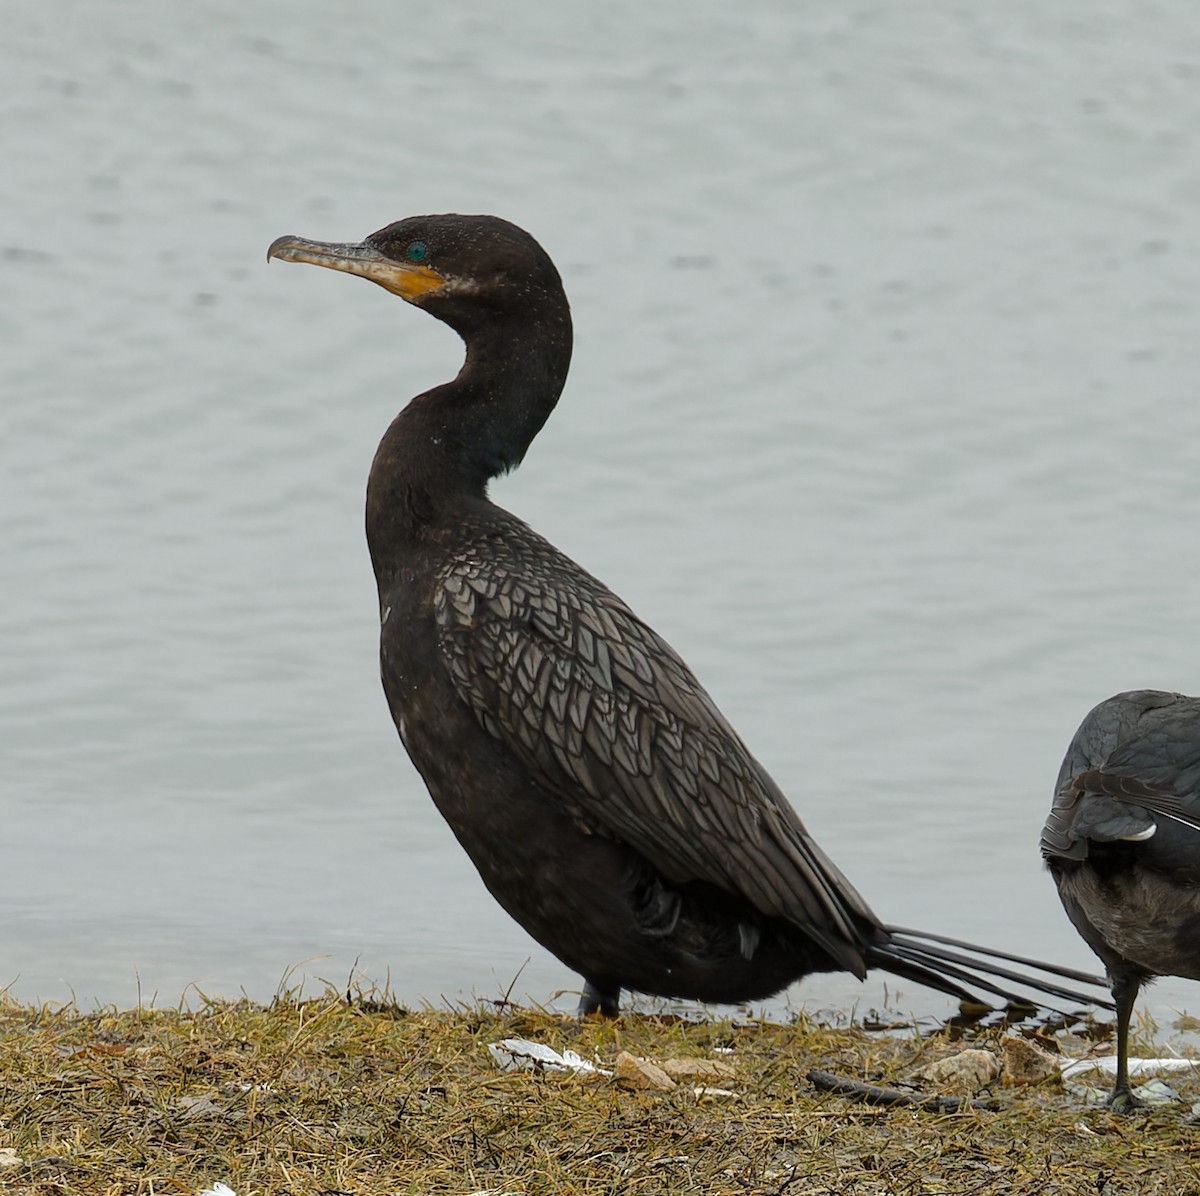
{"type": "Point", "coordinates": [612, 722]}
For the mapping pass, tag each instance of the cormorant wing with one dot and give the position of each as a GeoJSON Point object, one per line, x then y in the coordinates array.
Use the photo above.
{"type": "Point", "coordinates": [1135, 754]}
{"type": "Point", "coordinates": [610, 720]}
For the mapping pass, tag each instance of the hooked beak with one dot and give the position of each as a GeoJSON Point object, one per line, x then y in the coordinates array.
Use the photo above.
{"type": "Point", "coordinates": [407, 279]}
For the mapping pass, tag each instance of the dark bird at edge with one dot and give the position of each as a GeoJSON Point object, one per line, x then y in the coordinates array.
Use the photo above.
{"type": "Point", "coordinates": [1123, 844]}
{"type": "Point", "coordinates": [605, 801]}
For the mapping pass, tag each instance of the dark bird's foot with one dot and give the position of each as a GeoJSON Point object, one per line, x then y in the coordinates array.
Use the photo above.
{"type": "Point", "coordinates": [593, 1000]}
{"type": "Point", "coordinates": [1123, 1101]}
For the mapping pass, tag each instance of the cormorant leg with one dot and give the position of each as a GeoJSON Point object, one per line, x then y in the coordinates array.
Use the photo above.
{"type": "Point", "coordinates": [604, 1001]}
{"type": "Point", "coordinates": [1124, 990]}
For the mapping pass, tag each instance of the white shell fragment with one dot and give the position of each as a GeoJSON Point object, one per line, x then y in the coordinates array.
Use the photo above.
{"type": "Point", "coordinates": [519, 1054]}
{"type": "Point", "coordinates": [704, 1094]}
{"type": "Point", "coordinates": [1137, 1067]}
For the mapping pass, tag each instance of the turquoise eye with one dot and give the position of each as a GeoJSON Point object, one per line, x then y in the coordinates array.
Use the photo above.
{"type": "Point", "coordinates": [417, 251]}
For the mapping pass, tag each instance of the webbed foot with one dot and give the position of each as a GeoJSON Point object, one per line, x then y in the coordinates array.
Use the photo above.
{"type": "Point", "coordinates": [1121, 1100]}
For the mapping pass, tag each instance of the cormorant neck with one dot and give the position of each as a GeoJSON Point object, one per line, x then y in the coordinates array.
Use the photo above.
{"type": "Point", "coordinates": [449, 442]}
{"type": "Point", "coordinates": [509, 384]}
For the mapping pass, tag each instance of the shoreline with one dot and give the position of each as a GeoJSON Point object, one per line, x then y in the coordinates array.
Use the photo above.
{"type": "Point", "coordinates": [359, 1095]}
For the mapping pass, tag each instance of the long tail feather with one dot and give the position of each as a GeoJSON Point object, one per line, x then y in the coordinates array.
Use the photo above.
{"type": "Point", "coordinates": [1008, 957]}
{"type": "Point", "coordinates": [920, 956]}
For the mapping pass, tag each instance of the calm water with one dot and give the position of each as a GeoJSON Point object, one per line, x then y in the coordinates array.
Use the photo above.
{"type": "Point", "coordinates": [883, 411]}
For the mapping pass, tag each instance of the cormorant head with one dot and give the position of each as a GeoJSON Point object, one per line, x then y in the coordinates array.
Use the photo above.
{"type": "Point", "coordinates": [462, 269]}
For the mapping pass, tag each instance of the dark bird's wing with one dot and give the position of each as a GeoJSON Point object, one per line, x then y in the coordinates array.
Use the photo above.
{"type": "Point", "coordinates": [609, 719]}
{"type": "Point", "coordinates": [1135, 755]}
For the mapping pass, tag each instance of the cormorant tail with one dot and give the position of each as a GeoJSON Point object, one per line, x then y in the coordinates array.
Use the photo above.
{"type": "Point", "coordinates": [919, 955]}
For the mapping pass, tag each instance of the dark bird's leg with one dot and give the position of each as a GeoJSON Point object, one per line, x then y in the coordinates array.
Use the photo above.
{"type": "Point", "coordinates": [1125, 986]}
{"type": "Point", "coordinates": [594, 999]}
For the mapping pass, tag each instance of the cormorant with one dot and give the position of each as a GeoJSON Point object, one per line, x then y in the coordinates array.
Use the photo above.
{"type": "Point", "coordinates": [1122, 845]}
{"type": "Point", "coordinates": [604, 799]}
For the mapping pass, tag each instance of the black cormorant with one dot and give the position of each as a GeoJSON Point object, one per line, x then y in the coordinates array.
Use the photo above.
{"type": "Point", "coordinates": [604, 799]}
{"type": "Point", "coordinates": [1123, 844]}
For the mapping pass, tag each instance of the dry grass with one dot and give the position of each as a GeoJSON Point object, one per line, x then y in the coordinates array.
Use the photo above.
{"type": "Point", "coordinates": [328, 1096]}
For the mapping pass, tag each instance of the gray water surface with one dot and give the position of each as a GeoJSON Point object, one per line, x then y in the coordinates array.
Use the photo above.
{"type": "Point", "coordinates": [882, 411]}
